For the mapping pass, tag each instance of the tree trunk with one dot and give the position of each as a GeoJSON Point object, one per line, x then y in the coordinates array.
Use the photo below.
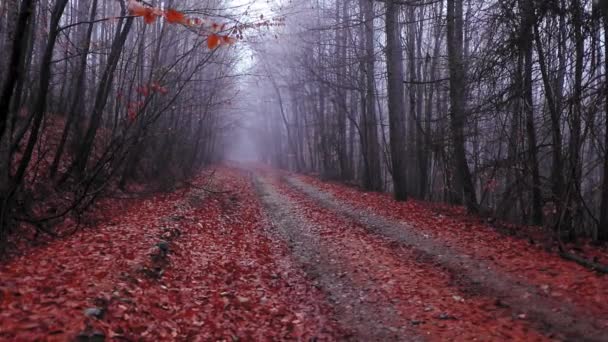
{"type": "Point", "coordinates": [394, 67]}
{"type": "Point", "coordinates": [457, 101]}
{"type": "Point", "coordinates": [528, 107]}
{"type": "Point", "coordinates": [371, 178]}
{"type": "Point", "coordinates": [574, 200]}
{"type": "Point", "coordinates": [602, 231]}
{"type": "Point", "coordinates": [17, 52]}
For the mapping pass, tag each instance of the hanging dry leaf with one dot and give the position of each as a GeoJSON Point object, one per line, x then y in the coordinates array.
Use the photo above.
{"type": "Point", "coordinates": [227, 40]}
{"type": "Point", "coordinates": [175, 17]}
{"type": "Point", "coordinates": [149, 16]}
{"type": "Point", "coordinates": [139, 9]}
{"type": "Point", "coordinates": [213, 41]}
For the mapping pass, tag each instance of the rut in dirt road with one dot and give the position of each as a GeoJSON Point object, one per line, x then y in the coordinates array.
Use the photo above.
{"type": "Point", "coordinates": [369, 320]}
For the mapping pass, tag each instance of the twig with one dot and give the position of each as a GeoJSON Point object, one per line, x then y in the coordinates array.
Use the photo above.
{"type": "Point", "coordinates": [93, 21]}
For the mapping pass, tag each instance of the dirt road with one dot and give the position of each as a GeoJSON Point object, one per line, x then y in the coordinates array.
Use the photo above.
{"type": "Point", "coordinates": [258, 254]}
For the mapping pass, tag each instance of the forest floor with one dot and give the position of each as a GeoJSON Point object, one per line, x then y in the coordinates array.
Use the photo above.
{"type": "Point", "coordinates": [260, 254]}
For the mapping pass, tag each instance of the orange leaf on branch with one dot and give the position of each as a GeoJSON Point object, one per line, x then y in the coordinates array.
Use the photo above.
{"type": "Point", "coordinates": [174, 16]}
{"type": "Point", "coordinates": [138, 9]}
{"type": "Point", "coordinates": [213, 41]}
{"type": "Point", "coordinates": [227, 40]}
{"type": "Point", "coordinates": [149, 16]}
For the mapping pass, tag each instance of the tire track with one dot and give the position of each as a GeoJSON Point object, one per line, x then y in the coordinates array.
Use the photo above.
{"type": "Point", "coordinates": [368, 321]}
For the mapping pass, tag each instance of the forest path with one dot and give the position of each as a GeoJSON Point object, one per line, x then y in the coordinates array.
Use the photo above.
{"type": "Point", "coordinates": [265, 255]}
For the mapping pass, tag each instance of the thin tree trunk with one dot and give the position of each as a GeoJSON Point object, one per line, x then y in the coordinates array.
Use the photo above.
{"type": "Point", "coordinates": [527, 96]}
{"type": "Point", "coordinates": [394, 66]}
{"type": "Point", "coordinates": [602, 231]}
{"type": "Point", "coordinates": [371, 178]}
{"type": "Point", "coordinates": [574, 202]}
